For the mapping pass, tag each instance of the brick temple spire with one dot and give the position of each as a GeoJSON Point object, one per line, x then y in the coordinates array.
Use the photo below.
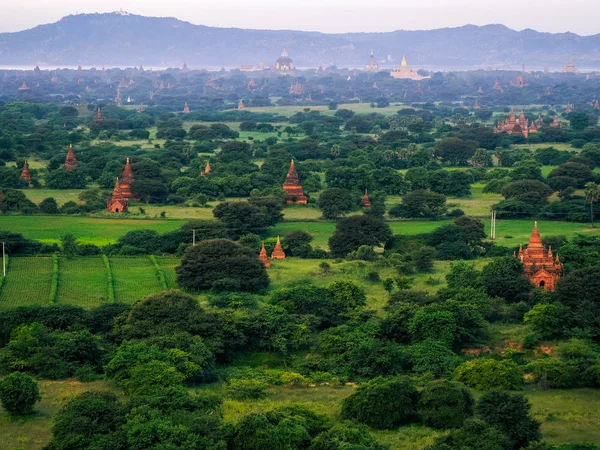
{"type": "Point", "coordinates": [366, 201]}
{"type": "Point", "coordinates": [186, 108]}
{"type": "Point", "coordinates": [98, 117]}
{"type": "Point", "coordinates": [206, 170]}
{"type": "Point", "coordinates": [117, 203]}
{"type": "Point", "coordinates": [293, 188]}
{"type": "Point", "coordinates": [70, 160]}
{"type": "Point", "coordinates": [278, 251]}
{"type": "Point", "coordinates": [126, 180]}
{"type": "Point", "coordinates": [25, 175]}
{"type": "Point", "coordinates": [263, 256]}
{"type": "Point", "coordinates": [539, 264]}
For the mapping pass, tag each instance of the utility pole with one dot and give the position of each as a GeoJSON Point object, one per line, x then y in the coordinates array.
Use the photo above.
{"type": "Point", "coordinates": [493, 226]}
{"type": "Point", "coordinates": [3, 258]}
{"type": "Point", "coordinates": [194, 237]}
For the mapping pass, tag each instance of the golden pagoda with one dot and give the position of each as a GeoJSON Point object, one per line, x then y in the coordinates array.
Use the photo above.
{"type": "Point", "coordinates": [570, 68]}
{"type": "Point", "coordinates": [406, 73]}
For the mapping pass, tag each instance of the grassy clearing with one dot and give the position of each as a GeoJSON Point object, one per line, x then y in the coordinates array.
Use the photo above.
{"type": "Point", "coordinates": [82, 282]}
{"type": "Point", "coordinates": [358, 108]}
{"type": "Point", "coordinates": [61, 196]}
{"type": "Point", "coordinates": [34, 432]}
{"type": "Point", "coordinates": [134, 278]}
{"type": "Point", "coordinates": [87, 230]}
{"type": "Point", "coordinates": [168, 267]}
{"type": "Point", "coordinates": [27, 282]}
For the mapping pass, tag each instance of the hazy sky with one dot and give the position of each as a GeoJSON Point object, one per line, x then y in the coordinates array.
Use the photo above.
{"type": "Point", "coordinates": [332, 16]}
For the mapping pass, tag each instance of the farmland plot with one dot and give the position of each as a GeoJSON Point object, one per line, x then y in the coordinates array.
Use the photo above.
{"type": "Point", "coordinates": [82, 282]}
{"type": "Point", "coordinates": [27, 282]}
{"type": "Point", "coordinates": [168, 267]}
{"type": "Point", "coordinates": [134, 278]}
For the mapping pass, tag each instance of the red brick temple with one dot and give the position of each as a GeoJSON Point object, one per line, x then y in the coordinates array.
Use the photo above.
{"type": "Point", "coordinates": [70, 160]}
{"type": "Point", "coordinates": [263, 256]}
{"type": "Point", "coordinates": [366, 201]}
{"type": "Point", "coordinates": [126, 181]}
{"type": "Point", "coordinates": [498, 86]}
{"type": "Point", "coordinates": [476, 105]}
{"type": "Point", "coordinates": [186, 108]}
{"type": "Point", "coordinates": [25, 175]}
{"type": "Point", "coordinates": [514, 125]}
{"type": "Point", "coordinates": [98, 117]}
{"type": "Point", "coordinates": [241, 104]}
{"type": "Point", "coordinates": [278, 251]}
{"type": "Point", "coordinates": [293, 188]}
{"type": "Point", "coordinates": [540, 266]}
{"type": "Point", "coordinates": [555, 123]}
{"type": "Point", "coordinates": [206, 170]}
{"type": "Point", "coordinates": [118, 203]}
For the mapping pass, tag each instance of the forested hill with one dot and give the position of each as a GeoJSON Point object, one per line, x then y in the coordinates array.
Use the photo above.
{"type": "Point", "coordinates": [127, 40]}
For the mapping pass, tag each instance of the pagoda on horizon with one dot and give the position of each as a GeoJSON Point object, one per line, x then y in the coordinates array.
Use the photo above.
{"type": "Point", "coordinates": [293, 188]}
{"type": "Point", "coordinates": [570, 68]}
{"type": "Point", "coordinates": [405, 72]}
{"type": "Point", "coordinates": [284, 63]}
{"type": "Point", "coordinates": [539, 265]}
{"type": "Point", "coordinates": [372, 65]}
{"type": "Point", "coordinates": [70, 160]}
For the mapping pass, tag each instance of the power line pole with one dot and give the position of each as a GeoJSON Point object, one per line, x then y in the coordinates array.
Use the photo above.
{"type": "Point", "coordinates": [3, 258]}
{"type": "Point", "coordinates": [493, 226]}
{"type": "Point", "coordinates": [194, 237]}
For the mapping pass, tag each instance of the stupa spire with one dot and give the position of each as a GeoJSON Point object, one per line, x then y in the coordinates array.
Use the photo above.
{"type": "Point", "coordinates": [263, 256]}
{"type": "Point", "coordinates": [366, 201]}
{"type": "Point", "coordinates": [118, 203]}
{"type": "Point", "coordinates": [278, 251]}
{"type": "Point", "coordinates": [25, 175]}
{"type": "Point", "coordinates": [293, 188]}
{"type": "Point", "coordinates": [70, 160]}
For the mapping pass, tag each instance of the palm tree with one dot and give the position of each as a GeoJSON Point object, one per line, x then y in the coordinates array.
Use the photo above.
{"type": "Point", "coordinates": [592, 192]}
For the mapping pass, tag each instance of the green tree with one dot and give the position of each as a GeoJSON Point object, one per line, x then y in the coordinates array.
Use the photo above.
{"type": "Point", "coordinates": [420, 204]}
{"type": "Point", "coordinates": [383, 404]}
{"type": "Point", "coordinates": [18, 394]}
{"type": "Point", "coordinates": [221, 260]}
{"type": "Point", "coordinates": [488, 373]}
{"type": "Point", "coordinates": [346, 436]}
{"type": "Point", "coordinates": [69, 245]}
{"type": "Point", "coordinates": [475, 434]}
{"type": "Point", "coordinates": [444, 404]}
{"type": "Point", "coordinates": [48, 206]}
{"type": "Point", "coordinates": [504, 278]}
{"type": "Point", "coordinates": [510, 413]}
{"type": "Point", "coordinates": [352, 232]}
{"type": "Point", "coordinates": [592, 193]}
{"type": "Point", "coordinates": [335, 202]}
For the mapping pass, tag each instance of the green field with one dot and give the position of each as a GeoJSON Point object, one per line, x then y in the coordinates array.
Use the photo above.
{"type": "Point", "coordinates": [82, 281]}
{"type": "Point", "coordinates": [27, 282]}
{"type": "Point", "coordinates": [358, 108]}
{"type": "Point", "coordinates": [87, 230]}
{"type": "Point", "coordinates": [134, 278]}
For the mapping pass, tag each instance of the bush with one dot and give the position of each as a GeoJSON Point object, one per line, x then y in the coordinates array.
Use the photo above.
{"type": "Point", "coordinates": [553, 373]}
{"type": "Point", "coordinates": [18, 394]}
{"type": "Point", "coordinates": [246, 389]}
{"type": "Point", "coordinates": [382, 403]}
{"type": "Point", "coordinates": [444, 404]}
{"type": "Point", "coordinates": [488, 373]}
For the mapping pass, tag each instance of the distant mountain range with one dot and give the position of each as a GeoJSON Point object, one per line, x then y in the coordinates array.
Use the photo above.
{"type": "Point", "coordinates": [126, 40]}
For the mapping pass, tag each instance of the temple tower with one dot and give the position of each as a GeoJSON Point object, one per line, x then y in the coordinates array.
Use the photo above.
{"type": "Point", "coordinates": [118, 203]}
{"type": "Point", "coordinates": [263, 256]}
{"type": "Point", "coordinates": [70, 160]}
{"type": "Point", "coordinates": [186, 108]}
{"type": "Point", "coordinates": [25, 175]}
{"type": "Point", "coordinates": [293, 188]}
{"type": "Point", "coordinates": [127, 180]}
{"type": "Point", "coordinates": [539, 265]}
{"type": "Point", "coordinates": [98, 117]}
{"type": "Point", "coordinates": [366, 201]}
{"type": "Point", "coordinates": [206, 170]}
{"type": "Point", "coordinates": [278, 251]}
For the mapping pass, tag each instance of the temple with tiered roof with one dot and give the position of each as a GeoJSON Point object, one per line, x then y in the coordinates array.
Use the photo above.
{"type": "Point", "coordinates": [570, 68]}
{"type": "Point", "coordinates": [366, 201]}
{"type": "Point", "coordinates": [293, 188]}
{"type": "Point", "coordinates": [284, 63]}
{"type": "Point", "coordinates": [372, 65]}
{"type": "Point", "coordinates": [98, 117]}
{"type": "Point", "coordinates": [127, 180]}
{"type": "Point", "coordinates": [70, 160]}
{"type": "Point", "coordinates": [296, 89]}
{"type": "Point", "coordinates": [278, 251]}
{"type": "Point", "coordinates": [118, 203]}
{"type": "Point", "coordinates": [519, 81]}
{"type": "Point", "coordinates": [263, 256]}
{"type": "Point", "coordinates": [514, 125]}
{"type": "Point", "coordinates": [25, 175]}
{"type": "Point", "coordinates": [539, 264]}
{"type": "Point", "coordinates": [406, 73]}
{"type": "Point", "coordinates": [186, 108]}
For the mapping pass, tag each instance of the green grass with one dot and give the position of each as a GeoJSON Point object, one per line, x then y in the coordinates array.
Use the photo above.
{"type": "Point", "coordinates": [87, 230]}
{"type": "Point", "coordinates": [61, 196]}
{"type": "Point", "coordinates": [358, 108]}
{"type": "Point", "coordinates": [168, 267]}
{"type": "Point", "coordinates": [82, 282]}
{"type": "Point", "coordinates": [34, 432]}
{"type": "Point", "coordinates": [134, 278]}
{"type": "Point", "coordinates": [27, 282]}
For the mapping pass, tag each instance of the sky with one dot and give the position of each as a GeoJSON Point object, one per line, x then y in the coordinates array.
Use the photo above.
{"type": "Point", "coordinates": [329, 16]}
